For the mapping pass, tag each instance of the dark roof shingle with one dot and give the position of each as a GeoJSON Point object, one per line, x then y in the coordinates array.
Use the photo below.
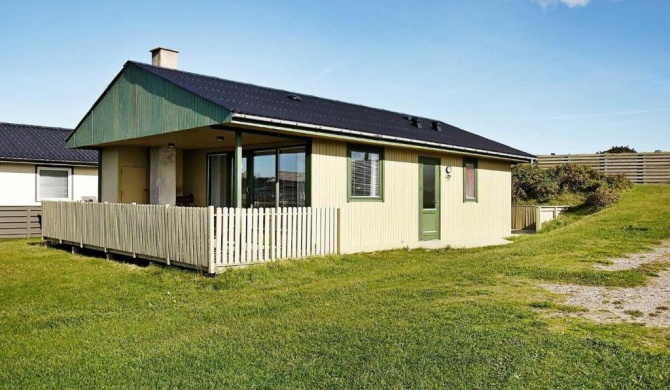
{"type": "Point", "coordinates": [40, 144]}
{"type": "Point", "coordinates": [277, 104]}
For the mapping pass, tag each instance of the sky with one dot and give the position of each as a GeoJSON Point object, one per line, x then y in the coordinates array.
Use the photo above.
{"type": "Point", "coordinates": [543, 76]}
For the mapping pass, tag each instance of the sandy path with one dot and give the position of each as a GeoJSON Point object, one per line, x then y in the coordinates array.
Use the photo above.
{"type": "Point", "coordinates": [648, 304]}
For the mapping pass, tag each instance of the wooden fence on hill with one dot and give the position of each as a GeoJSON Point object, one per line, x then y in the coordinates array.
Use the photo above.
{"type": "Point", "coordinates": [531, 218]}
{"type": "Point", "coordinates": [640, 168]}
{"type": "Point", "coordinates": [20, 221]}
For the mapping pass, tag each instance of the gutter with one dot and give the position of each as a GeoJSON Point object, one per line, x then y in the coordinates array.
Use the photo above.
{"type": "Point", "coordinates": [49, 162]}
{"type": "Point", "coordinates": [375, 136]}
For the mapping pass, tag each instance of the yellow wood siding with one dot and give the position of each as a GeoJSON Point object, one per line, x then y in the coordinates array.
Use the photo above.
{"type": "Point", "coordinates": [490, 216]}
{"type": "Point", "coordinates": [394, 223]}
{"type": "Point", "coordinates": [195, 181]}
{"type": "Point", "coordinates": [114, 161]}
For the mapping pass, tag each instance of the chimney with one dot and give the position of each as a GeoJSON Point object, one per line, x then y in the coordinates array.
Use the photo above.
{"type": "Point", "coordinates": [163, 57]}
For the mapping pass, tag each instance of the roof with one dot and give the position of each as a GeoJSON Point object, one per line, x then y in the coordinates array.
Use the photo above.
{"type": "Point", "coordinates": [41, 144]}
{"type": "Point", "coordinates": [249, 99]}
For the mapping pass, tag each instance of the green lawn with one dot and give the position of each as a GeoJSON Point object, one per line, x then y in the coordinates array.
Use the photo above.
{"type": "Point", "coordinates": [398, 319]}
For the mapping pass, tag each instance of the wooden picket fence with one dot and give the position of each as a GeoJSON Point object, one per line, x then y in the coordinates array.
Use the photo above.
{"type": "Point", "coordinates": [248, 236]}
{"type": "Point", "coordinates": [206, 239]}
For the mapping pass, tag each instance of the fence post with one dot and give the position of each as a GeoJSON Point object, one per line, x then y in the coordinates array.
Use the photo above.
{"type": "Point", "coordinates": [538, 218]}
{"type": "Point", "coordinates": [338, 230]}
{"type": "Point", "coordinates": [166, 222]}
{"type": "Point", "coordinates": [28, 209]}
{"type": "Point", "coordinates": [211, 235]}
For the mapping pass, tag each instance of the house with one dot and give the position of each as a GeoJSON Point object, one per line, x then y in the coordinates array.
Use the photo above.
{"type": "Point", "coordinates": [167, 136]}
{"type": "Point", "coordinates": [35, 164]}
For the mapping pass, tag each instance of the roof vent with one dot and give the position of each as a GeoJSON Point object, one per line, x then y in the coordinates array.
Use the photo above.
{"type": "Point", "coordinates": [294, 97]}
{"type": "Point", "coordinates": [407, 117]}
{"type": "Point", "coordinates": [416, 122]}
{"type": "Point", "coordinates": [437, 126]}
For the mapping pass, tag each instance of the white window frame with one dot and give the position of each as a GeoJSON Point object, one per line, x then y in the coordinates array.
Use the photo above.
{"type": "Point", "coordinates": [48, 168]}
{"type": "Point", "coordinates": [377, 171]}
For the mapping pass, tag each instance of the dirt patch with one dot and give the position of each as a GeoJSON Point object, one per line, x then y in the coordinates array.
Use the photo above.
{"type": "Point", "coordinates": [649, 305]}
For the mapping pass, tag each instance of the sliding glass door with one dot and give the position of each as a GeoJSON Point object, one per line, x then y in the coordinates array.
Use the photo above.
{"type": "Point", "coordinates": [270, 178]}
{"type": "Point", "coordinates": [265, 178]}
{"type": "Point", "coordinates": [219, 180]}
{"type": "Point", "coordinates": [292, 169]}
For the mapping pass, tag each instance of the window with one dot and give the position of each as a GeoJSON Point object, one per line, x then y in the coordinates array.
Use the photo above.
{"type": "Point", "coordinates": [470, 180]}
{"type": "Point", "coordinates": [292, 174]}
{"type": "Point", "coordinates": [53, 183]}
{"type": "Point", "coordinates": [366, 172]}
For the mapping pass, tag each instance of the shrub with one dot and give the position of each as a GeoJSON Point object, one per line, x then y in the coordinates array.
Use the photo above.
{"type": "Point", "coordinates": [619, 182]}
{"type": "Point", "coordinates": [602, 197]}
{"type": "Point", "coordinates": [576, 178]}
{"type": "Point", "coordinates": [530, 182]}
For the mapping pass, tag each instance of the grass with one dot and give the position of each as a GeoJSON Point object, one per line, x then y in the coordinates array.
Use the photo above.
{"type": "Point", "coordinates": [397, 319]}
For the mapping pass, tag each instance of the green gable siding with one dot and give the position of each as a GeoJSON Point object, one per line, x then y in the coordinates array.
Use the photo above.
{"type": "Point", "coordinates": [140, 104]}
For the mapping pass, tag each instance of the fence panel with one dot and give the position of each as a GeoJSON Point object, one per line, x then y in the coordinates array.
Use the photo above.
{"type": "Point", "coordinates": [532, 217]}
{"type": "Point", "coordinates": [249, 236]}
{"type": "Point", "coordinates": [20, 221]}
{"type": "Point", "coordinates": [640, 168]}
{"type": "Point", "coordinates": [153, 231]}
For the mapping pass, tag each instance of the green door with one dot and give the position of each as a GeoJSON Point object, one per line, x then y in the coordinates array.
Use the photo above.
{"type": "Point", "coordinates": [429, 198]}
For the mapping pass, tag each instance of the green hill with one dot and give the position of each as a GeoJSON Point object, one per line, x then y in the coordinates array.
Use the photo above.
{"type": "Point", "coordinates": [399, 319]}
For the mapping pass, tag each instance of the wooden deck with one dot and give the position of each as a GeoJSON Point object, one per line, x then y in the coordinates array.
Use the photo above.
{"type": "Point", "coordinates": [206, 239]}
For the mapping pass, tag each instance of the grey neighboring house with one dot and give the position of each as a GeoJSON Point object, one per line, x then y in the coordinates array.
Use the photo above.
{"type": "Point", "coordinates": [35, 164]}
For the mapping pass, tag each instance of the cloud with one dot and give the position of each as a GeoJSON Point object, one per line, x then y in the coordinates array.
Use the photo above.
{"type": "Point", "coordinates": [568, 3]}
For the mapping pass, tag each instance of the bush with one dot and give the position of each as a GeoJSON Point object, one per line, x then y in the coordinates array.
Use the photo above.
{"type": "Point", "coordinates": [530, 182]}
{"type": "Point", "coordinates": [619, 182]}
{"type": "Point", "coordinates": [576, 178]}
{"type": "Point", "coordinates": [602, 197]}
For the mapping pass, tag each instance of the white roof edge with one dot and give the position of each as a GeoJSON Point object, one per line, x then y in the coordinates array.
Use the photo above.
{"type": "Point", "coordinates": [380, 136]}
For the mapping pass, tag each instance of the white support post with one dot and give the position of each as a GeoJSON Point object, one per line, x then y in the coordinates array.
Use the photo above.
{"type": "Point", "coordinates": [211, 239]}
{"type": "Point", "coordinates": [238, 169]}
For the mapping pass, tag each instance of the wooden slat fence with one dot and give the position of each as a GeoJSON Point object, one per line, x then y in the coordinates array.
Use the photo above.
{"type": "Point", "coordinates": [20, 221]}
{"type": "Point", "coordinates": [527, 217]}
{"type": "Point", "coordinates": [157, 232]}
{"type": "Point", "coordinates": [523, 217]}
{"type": "Point", "coordinates": [249, 236]}
{"type": "Point", "coordinates": [640, 168]}
{"type": "Point", "coordinates": [203, 238]}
